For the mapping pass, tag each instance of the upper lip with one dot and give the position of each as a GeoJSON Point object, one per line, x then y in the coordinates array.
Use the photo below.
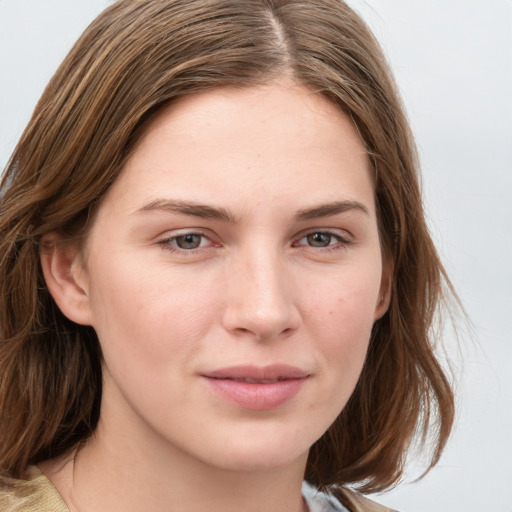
{"type": "Point", "coordinates": [258, 373]}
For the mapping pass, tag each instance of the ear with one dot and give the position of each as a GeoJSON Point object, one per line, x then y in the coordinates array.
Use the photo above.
{"type": "Point", "coordinates": [384, 298]}
{"type": "Point", "coordinates": [66, 278]}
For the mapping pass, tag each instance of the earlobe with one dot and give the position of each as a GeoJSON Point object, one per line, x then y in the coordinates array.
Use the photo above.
{"type": "Point", "coordinates": [65, 277]}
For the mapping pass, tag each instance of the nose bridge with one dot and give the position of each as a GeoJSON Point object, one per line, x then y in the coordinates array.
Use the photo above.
{"type": "Point", "coordinates": [260, 299]}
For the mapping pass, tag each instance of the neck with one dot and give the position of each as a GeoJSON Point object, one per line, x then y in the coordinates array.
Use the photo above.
{"type": "Point", "coordinates": [109, 473]}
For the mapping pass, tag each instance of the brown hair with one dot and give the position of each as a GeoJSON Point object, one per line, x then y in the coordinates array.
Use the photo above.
{"type": "Point", "coordinates": [135, 58]}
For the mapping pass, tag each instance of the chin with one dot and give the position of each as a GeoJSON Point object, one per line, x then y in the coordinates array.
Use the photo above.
{"type": "Point", "coordinates": [262, 451]}
{"type": "Point", "coordinates": [261, 461]}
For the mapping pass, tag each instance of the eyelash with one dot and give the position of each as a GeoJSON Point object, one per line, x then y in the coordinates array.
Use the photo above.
{"type": "Point", "coordinates": [341, 242]}
{"type": "Point", "coordinates": [170, 244]}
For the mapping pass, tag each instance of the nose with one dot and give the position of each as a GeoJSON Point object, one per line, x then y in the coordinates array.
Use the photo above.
{"type": "Point", "coordinates": [261, 302]}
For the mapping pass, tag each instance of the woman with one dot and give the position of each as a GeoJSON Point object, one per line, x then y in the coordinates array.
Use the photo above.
{"type": "Point", "coordinates": [216, 276]}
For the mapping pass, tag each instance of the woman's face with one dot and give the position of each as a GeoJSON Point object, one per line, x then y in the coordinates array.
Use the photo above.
{"type": "Point", "coordinates": [233, 274]}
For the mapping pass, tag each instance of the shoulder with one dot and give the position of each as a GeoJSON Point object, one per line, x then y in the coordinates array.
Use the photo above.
{"type": "Point", "coordinates": [323, 502]}
{"type": "Point", "coordinates": [35, 493]}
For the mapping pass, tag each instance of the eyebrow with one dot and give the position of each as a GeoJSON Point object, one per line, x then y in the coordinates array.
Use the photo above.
{"type": "Point", "coordinates": [190, 208]}
{"type": "Point", "coordinates": [218, 213]}
{"type": "Point", "coordinates": [329, 209]}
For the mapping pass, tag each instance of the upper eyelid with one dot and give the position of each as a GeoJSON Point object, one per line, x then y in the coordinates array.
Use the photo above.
{"type": "Point", "coordinates": [167, 238]}
{"type": "Point", "coordinates": [338, 232]}
{"type": "Point", "coordinates": [168, 243]}
{"type": "Point", "coordinates": [176, 233]}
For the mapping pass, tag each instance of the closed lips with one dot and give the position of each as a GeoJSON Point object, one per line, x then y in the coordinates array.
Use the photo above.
{"type": "Point", "coordinates": [256, 388]}
{"type": "Point", "coordinates": [267, 374]}
{"type": "Point", "coordinates": [258, 381]}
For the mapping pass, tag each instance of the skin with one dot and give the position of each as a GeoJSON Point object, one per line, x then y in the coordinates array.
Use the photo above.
{"type": "Point", "coordinates": [276, 277]}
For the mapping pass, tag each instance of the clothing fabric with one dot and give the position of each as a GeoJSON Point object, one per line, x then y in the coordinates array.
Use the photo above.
{"type": "Point", "coordinates": [34, 494]}
{"type": "Point", "coordinates": [37, 494]}
{"type": "Point", "coordinates": [321, 502]}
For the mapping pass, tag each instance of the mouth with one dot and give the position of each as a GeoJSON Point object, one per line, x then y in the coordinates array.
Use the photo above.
{"type": "Point", "coordinates": [256, 381]}
{"type": "Point", "coordinates": [259, 375]}
{"type": "Point", "coordinates": [257, 388]}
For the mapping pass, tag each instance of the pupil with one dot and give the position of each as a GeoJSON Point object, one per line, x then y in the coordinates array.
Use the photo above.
{"type": "Point", "coordinates": [319, 239]}
{"type": "Point", "coordinates": [188, 241]}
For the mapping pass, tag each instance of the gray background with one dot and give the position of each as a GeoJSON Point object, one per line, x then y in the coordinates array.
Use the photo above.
{"type": "Point", "coordinates": [453, 63]}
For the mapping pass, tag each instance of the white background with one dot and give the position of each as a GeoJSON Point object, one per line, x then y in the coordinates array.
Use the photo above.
{"type": "Point", "coordinates": [453, 63]}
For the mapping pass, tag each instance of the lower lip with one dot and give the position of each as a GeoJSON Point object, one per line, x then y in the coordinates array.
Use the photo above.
{"type": "Point", "coordinates": [257, 396]}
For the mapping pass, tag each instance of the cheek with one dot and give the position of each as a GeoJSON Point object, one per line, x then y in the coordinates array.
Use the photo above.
{"type": "Point", "coordinates": [345, 300]}
{"type": "Point", "coordinates": [340, 318]}
{"type": "Point", "coordinates": [346, 335]}
{"type": "Point", "coordinates": [150, 315]}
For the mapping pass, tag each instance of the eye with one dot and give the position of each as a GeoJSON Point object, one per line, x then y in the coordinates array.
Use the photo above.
{"type": "Point", "coordinates": [320, 239]}
{"type": "Point", "coordinates": [324, 240]}
{"type": "Point", "coordinates": [187, 242]}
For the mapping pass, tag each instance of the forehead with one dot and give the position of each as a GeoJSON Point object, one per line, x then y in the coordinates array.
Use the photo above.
{"type": "Point", "coordinates": [273, 141]}
{"type": "Point", "coordinates": [292, 111]}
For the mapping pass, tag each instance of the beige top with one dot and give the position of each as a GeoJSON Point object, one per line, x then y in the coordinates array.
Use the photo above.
{"type": "Point", "coordinates": [37, 494]}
